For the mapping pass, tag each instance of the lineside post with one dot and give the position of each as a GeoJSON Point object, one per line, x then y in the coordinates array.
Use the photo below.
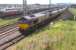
{"type": "Point", "coordinates": [25, 8]}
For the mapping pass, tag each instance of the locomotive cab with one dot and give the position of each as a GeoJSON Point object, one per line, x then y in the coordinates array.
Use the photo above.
{"type": "Point", "coordinates": [26, 22]}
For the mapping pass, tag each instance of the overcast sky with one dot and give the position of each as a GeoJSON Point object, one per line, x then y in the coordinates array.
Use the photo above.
{"type": "Point", "coordinates": [36, 1]}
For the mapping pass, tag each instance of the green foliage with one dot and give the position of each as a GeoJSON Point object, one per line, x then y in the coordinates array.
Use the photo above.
{"type": "Point", "coordinates": [73, 11]}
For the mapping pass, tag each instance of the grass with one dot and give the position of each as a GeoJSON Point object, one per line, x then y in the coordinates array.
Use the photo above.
{"type": "Point", "coordinates": [59, 36]}
{"type": "Point", "coordinates": [69, 40]}
{"type": "Point", "coordinates": [8, 21]}
{"type": "Point", "coordinates": [73, 11]}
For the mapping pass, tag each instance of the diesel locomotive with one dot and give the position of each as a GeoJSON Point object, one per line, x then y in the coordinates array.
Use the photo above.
{"type": "Point", "coordinates": [34, 21]}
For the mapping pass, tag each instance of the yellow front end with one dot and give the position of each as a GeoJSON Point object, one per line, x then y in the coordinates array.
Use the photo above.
{"type": "Point", "coordinates": [23, 26]}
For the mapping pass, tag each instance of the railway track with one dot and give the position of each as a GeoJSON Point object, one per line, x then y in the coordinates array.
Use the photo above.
{"type": "Point", "coordinates": [6, 28]}
{"type": "Point", "coordinates": [9, 38]}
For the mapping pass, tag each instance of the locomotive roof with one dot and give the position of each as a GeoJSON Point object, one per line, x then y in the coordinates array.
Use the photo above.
{"type": "Point", "coordinates": [34, 16]}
